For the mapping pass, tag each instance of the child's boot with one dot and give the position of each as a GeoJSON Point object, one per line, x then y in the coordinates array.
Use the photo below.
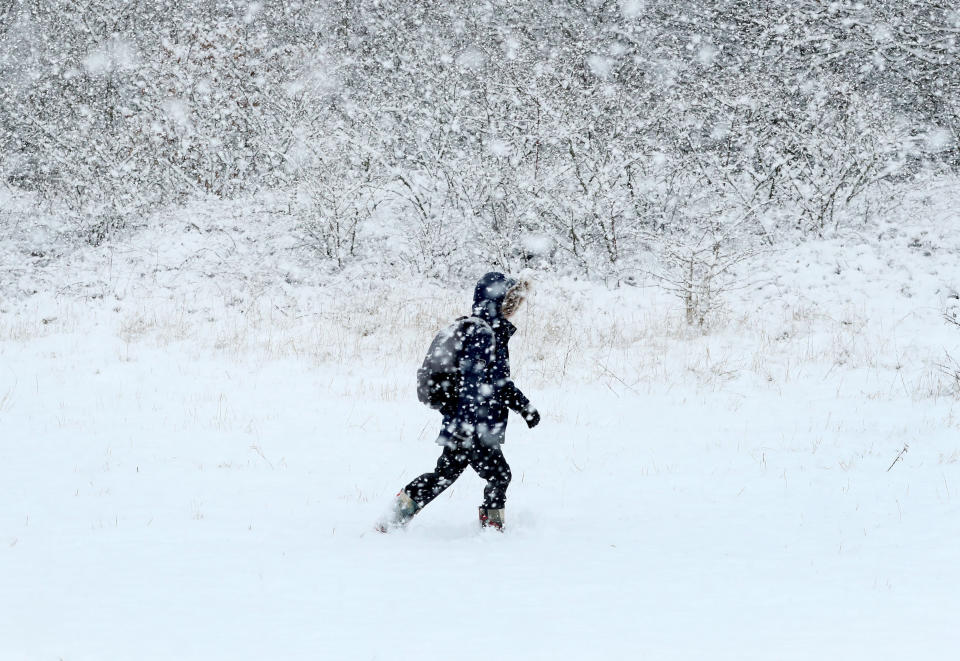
{"type": "Point", "coordinates": [404, 509]}
{"type": "Point", "coordinates": [491, 518]}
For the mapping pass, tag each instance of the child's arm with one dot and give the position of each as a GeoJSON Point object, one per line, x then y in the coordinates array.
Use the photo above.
{"type": "Point", "coordinates": [511, 396]}
{"type": "Point", "coordinates": [516, 401]}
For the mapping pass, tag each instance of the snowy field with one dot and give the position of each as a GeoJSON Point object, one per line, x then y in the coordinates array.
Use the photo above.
{"type": "Point", "coordinates": [188, 478]}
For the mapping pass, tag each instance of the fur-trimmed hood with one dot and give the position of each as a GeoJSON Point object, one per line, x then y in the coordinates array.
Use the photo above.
{"type": "Point", "coordinates": [489, 294]}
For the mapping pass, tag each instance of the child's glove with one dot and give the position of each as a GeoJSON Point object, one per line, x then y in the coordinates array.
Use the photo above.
{"type": "Point", "coordinates": [531, 416]}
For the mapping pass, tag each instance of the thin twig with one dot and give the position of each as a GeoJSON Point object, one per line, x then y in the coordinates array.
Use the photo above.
{"type": "Point", "coordinates": [899, 456]}
{"type": "Point", "coordinates": [625, 384]}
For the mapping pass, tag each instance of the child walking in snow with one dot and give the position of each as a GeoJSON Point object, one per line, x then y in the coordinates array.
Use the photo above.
{"type": "Point", "coordinates": [466, 375]}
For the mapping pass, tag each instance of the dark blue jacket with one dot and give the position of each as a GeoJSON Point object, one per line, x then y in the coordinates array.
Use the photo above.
{"type": "Point", "coordinates": [486, 393]}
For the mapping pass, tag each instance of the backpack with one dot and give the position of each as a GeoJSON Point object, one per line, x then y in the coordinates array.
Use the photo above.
{"type": "Point", "coordinates": [439, 379]}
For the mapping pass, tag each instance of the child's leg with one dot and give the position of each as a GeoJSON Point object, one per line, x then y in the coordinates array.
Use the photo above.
{"type": "Point", "coordinates": [428, 486]}
{"type": "Point", "coordinates": [492, 466]}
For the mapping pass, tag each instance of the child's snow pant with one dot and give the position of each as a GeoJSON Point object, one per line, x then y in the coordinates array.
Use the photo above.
{"type": "Point", "coordinates": [489, 463]}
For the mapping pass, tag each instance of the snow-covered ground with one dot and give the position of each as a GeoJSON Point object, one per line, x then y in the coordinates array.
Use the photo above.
{"type": "Point", "coordinates": [191, 464]}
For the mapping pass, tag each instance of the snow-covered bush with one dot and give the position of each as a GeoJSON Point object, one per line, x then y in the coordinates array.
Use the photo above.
{"type": "Point", "coordinates": [603, 131]}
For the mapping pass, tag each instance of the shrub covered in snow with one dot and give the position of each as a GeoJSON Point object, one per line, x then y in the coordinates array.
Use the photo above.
{"type": "Point", "coordinates": [597, 138]}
